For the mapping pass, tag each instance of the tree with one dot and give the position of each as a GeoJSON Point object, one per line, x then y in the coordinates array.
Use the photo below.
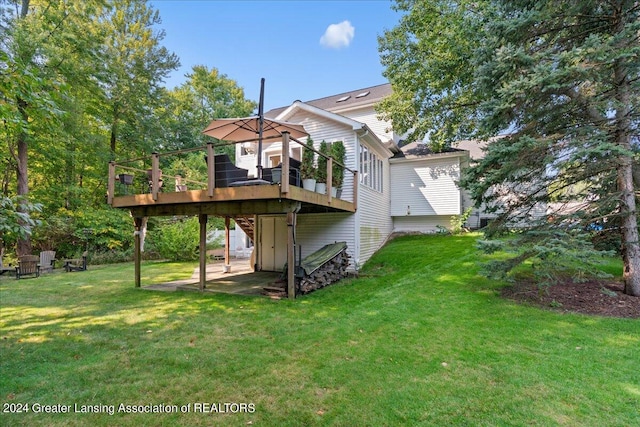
{"type": "Point", "coordinates": [43, 44]}
{"type": "Point", "coordinates": [205, 96]}
{"type": "Point", "coordinates": [16, 221]}
{"type": "Point", "coordinates": [135, 66]}
{"type": "Point", "coordinates": [563, 77]}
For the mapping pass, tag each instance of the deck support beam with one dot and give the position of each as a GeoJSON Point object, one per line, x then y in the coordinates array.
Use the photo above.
{"type": "Point", "coordinates": [137, 248]}
{"type": "Point", "coordinates": [227, 245]}
{"type": "Point", "coordinates": [211, 169]}
{"type": "Point", "coordinates": [284, 181]}
{"type": "Point", "coordinates": [155, 175]}
{"type": "Point", "coordinates": [203, 250]}
{"type": "Point", "coordinates": [291, 251]}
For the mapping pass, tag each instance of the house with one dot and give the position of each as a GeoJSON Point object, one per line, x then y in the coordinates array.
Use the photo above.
{"type": "Point", "coordinates": [400, 189]}
{"type": "Point", "coordinates": [386, 187]}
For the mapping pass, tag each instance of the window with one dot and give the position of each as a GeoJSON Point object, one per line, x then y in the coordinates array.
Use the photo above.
{"type": "Point", "coordinates": [370, 169]}
{"type": "Point", "coordinates": [274, 160]}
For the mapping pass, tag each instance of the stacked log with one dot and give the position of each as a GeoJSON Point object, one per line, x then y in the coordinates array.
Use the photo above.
{"type": "Point", "coordinates": [328, 273]}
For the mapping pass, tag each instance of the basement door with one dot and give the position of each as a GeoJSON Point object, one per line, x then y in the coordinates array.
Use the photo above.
{"type": "Point", "coordinates": [273, 238]}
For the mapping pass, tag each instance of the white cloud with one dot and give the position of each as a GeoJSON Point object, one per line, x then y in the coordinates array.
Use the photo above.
{"type": "Point", "coordinates": [338, 35]}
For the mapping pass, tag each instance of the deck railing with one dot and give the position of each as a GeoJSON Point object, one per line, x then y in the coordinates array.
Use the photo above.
{"type": "Point", "coordinates": [135, 176]}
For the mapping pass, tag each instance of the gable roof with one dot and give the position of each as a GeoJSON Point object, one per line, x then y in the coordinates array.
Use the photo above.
{"type": "Point", "coordinates": [344, 101]}
{"type": "Point", "coordinates": [360, 128]}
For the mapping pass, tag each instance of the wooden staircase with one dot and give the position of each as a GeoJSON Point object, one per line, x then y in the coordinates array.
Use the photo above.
{"type": "Point", "coordinates": [247, 224]}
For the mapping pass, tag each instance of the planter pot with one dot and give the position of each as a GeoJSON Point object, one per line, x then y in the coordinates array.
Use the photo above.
{"type": "Point", "coordinates": [321, 188]}
{"type": "Point", "coordinates": [309, 184]}
{"type": "Point", "coordinates": [334, 192]}
{"type": "Point", "coordinates": [126, 179]}
{"type": "Point", "coordinates": [276, 175]}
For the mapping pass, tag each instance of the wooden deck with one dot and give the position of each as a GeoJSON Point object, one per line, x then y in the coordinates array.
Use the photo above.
{"type": "Point", "coordinates": [247, 200]}
{"type": "Point", "coordinates": [244, 202]}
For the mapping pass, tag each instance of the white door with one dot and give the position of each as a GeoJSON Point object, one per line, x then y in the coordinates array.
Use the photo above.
{"type": "Point", "coordinates": [273, 240]}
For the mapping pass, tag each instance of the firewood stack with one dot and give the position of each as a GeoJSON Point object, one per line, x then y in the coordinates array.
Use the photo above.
{"type": "Point", "coordinates": [328, 273]}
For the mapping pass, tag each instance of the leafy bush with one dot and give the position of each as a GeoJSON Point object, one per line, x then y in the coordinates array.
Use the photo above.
{"type": "Point", "coordinates": [176, 240]}
{"type": "Point", "coordinates": [458, 221]}
{"type": "Point", "coordinates": [72, 232]}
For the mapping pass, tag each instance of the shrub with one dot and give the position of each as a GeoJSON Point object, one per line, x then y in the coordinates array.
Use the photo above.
{"type": "Point", "coordinates": [69, 233]}
{"type": "Point", "coordinates": [338, 153]}
{"type": "Point", "coordinates": [307, 169]}
{"type": "Point", "coordinates": [177, 240]}
{"type": "Point", "coordinates": [321, 173]}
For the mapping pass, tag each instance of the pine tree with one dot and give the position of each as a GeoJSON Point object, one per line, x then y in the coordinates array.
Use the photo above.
{"type": "Point", "coordinates": [562, 80]}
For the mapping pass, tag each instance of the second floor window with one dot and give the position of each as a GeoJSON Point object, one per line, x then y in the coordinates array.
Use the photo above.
{"type": "Point", "coordinates": [371, 169]}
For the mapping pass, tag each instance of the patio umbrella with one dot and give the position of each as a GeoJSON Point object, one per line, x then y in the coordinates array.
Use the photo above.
{"type": "Point", "coordinates": [248, 128]}
{"type": "Point", "coordinates": [252, 128]}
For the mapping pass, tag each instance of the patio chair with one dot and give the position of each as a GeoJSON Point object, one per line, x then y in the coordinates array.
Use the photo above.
{"type": "Point", "coordinates": [28, 266]}
{"type": "Point", "coordinates": [294, 173]}
{"type": "Point", "coordinates": [4, 269]}
{"type": "Point", "coordinates": [47, 260]}
{"type": "Point", "coordinates": [76, 264]}
{"type": "Point", "coordinates": [226, 173]}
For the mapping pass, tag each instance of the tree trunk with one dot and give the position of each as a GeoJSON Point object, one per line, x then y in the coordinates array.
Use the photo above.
{"type": "Point", "coordinates": [630, 244]}
{"type": "Point", "coordinates": [24, 244]}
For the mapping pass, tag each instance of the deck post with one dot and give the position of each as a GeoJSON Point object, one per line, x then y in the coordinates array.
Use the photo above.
{"type": "Point", "coordinates": [155, 175]}
{"type": "Point", "coordinates": [284, 180]}
{"type": "Point", "coordinates": [202, 218]}
{"type": "Point", "coordinates": [329, 178]}
{"type": "Point", "coordinates": [257, 255]}
{"type": "Point", "coordinates": [111, 184]}
{"type": "Point", "coordinates": [227, 245]}
{"type": "Point", "coordinates": [137, 256]}
{"type": "Point", "coordinates": [291, 259]}
{"type": "Point", "coordinates": [211, 169]}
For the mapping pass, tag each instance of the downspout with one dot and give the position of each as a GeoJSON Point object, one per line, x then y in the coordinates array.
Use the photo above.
{"type": "Point", "coordinates": [356, 261]}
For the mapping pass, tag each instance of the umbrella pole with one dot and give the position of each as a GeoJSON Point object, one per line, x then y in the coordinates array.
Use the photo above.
{"type": "Point", "coordinates": [260, 127]}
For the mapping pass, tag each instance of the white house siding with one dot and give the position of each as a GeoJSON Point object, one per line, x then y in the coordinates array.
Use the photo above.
{"type": "Point", "coordinates": [369, 117]}
{"type": "Point", "coordinates": [426, 187]}
{"type": "Point", "coordinates": [322, 129]}
{"type": "Point", "coordinates": [373, 215]}
{"type": "Point", "coordinates": [421, 223]}
{"type": "Point", "coordinates": [313, 231]}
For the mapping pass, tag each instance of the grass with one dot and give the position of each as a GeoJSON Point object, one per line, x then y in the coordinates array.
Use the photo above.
{"type": "Point", "coordinates": [419, 339]}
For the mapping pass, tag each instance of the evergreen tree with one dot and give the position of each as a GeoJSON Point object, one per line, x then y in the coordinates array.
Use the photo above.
{"type": "Point", "coordinates": [562, 79]}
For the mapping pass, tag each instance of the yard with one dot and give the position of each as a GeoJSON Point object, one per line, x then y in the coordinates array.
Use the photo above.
{"type": "Point", "coordinates": [419, 339]}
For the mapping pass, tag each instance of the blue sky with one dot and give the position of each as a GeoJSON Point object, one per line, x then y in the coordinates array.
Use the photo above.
{"type": "Point", "coordinates": [304, 49]}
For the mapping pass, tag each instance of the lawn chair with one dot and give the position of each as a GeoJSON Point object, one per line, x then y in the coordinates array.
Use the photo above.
{"type": "Point", "coordinates": [28, 265]}
{"type": "Point", "coordinates": [4, 269]}
{"type": "Point", "coordinates": [47, 260]}
{"type": "Point", "coordinates": [76, 264]}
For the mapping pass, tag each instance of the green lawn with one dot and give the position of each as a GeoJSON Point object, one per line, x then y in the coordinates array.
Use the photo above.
{"type": "Point", "coordinates": [419, 339]}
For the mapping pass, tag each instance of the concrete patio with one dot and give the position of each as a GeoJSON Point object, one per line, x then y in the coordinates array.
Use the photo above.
{"type": "Point", "coordinates": [241, 279]}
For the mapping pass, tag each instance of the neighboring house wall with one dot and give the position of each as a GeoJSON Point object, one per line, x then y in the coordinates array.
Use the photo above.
{"type": "Point", "coordinates": [425, 192]}
{"type": "Point", "coordinates": [426, 186]}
